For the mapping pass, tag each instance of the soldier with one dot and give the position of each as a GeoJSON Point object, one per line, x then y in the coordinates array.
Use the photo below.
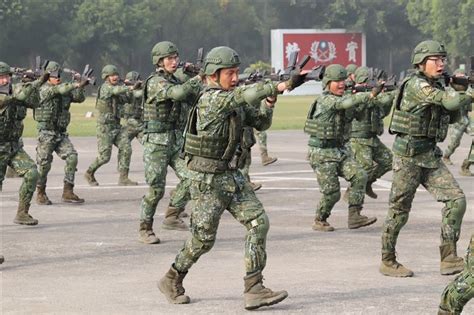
{"type": "Point", "coordinates": [366, 126]}
{"type": "Point", "coordinates": [214, 145]}
{"type": "Point", "coordinates": [460, 290]}
{"type": "Point", "coordinates": [133, 110]}
{"type": "Point", "coordinates": [350, 81]}
{"type": "Point", "coordinates": [328, 157]}
{"type": "Point", "coordinates": [53, 117]}
{"type": "Point", "coordinates": [163, 96]}
{"type": "Point", "coordinates": [13, 103]}
{"type": "Point", "coordinates": [460, 126]}
{"type": "Point", "coordinates": [420, 119]}
{"type": "Point", "coordinates": [110, 98]}
{"type": "Point", "coordinates": [262, 144]}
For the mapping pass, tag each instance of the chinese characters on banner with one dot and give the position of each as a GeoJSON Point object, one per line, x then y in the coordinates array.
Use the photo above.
{"type": "Point", "coordinates": [325, 48]}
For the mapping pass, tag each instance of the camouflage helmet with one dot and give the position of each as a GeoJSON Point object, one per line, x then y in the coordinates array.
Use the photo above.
{"type": "Point", "coordinates": [334, 72]}
{"type": "Point", "coordinates": [54, 69]}
{"type": "Point", "coordinates": [425, 49]}
{"type": "Point", "coordinates": [351, 68]}
{"type": "Point", "coordinates": [109, 70]}
{"type": "Point", "coordinates": [460, 72]}
{"type": "Point", "coordinates": [361, 75]}
{"type": "Point", "coordinates": [132, 76]}
{"type": "Point", "coordinates": [4, 68]}
{"type": "Point", "coordinates": [219, 58]}
{"type": "Point", "coordinates": [162, 50]}
{"type": "Point", "coordinates": [248, 70]}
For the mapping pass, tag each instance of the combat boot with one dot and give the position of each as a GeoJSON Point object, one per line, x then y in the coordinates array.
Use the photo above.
{"type": "Point", "coordinates": [125, 181]}
{"type": "Point", "coordinates": [256, 295]}
{"type": "Point", "coordinates": [444, 312]}
{"type": "Point", "coordinates": [345, 197]}
{"type": "Point", "coordinates": [465, 168]}
{"type": "Point", "coordinates": [369, 191]}
{"type": "Point", "coordinates": [11, 173]}
{"type": "Point", "coordinates": [450, 262]}
{"type": "Point", "coordinates": [147, 235]}
{"type": "Point", "coordinates": [267, 160]}
{"type": "Point", "coordinates": [1, 259]}
{"type": "Point", "coordinates": [171, 285]}
{"type": "Point", "coordinates": [356, 220]}
{"type": "Point", "coordinates": [69, 196]}
{"type": "Point", "coordinates": [392, 268]}
{"type": "Point", "coordinates": [172, 220]}
{"type": "Point", "coordinates": [322, 225]}
{"type": "Point", "coordinates": [183, 214]}
{"type": "Point", "coordinates": [89, 176]}
{"type": "Point", "coordinates": [41, 197]}
{"type": "Point", "coordinates": [255, 186]}
{"type": "Point", "coordinates": [22, 216]}
{"type": "Point", "coordinates": [447, 160]}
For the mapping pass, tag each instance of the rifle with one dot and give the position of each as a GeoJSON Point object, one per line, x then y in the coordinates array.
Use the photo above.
{"type": "Point", "coordinates": [465, 80]}
{"type": "Point", "coordinates": [27, 74]}
{"type": "Point", "coordinates": [85, 76]}
{"type": "Point", "coordinates": [375, 76]}
{"type": "Point", "coordinates": [193, 68]}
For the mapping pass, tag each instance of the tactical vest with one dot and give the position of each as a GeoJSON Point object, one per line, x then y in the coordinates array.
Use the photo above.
{"type": "Point", "coordinates": [325, 133]}
{"type": "Point", "coordinates": [11, 119]}
{"type": "Point", "coordinates": [424, 128]}
{"type": "Point", "coordinates": [369, 124]}
{"type": "Point", "coordinates": [159, 117]}
{"type": "Point", "coordinates": [216, 154]}
{"type": "Point", "coordinates": [108, 108]}
{"type": "Point", "coordinates": [46, 114]}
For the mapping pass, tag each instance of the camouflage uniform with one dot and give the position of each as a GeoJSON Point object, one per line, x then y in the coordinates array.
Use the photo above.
{"type": "Point", "coordinates": [460, 290]}
{"type": "Point", "coordinates": [468, 162]}
{"type": "Point", "coordinates": [215, 145]}
{"type": "Point", "coordinates": [328, 157]}
{"type": "Point", "coordinates": [13, 105]}
{"type": "Point", "coordinates": [162, 142]}
{"type": "Point", "coordinates": [420, 119]}
{"type": "Point", "coordinates": [110, 99]}
{"type": "Point", "coordinates": [365, 127]}
{"type": "Point", "coordinates": [132, 111]}
{"type": "Point", "coordinates": [53, 117]}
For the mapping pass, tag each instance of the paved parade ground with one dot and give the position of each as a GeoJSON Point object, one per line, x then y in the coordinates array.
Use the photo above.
{"type": "Point", "coordinates": [86, 259]}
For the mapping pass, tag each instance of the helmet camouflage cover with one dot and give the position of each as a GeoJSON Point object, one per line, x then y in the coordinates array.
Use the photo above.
{"type": "Point", "coordinates": [54, 69]}
{"type": "Point", "coordinates": [361, 75]}
{"type": "Point", "coordinates": [425, 49]}
{"type": "Point", "coordinates": [162, 50]}
{"type": "Point", "coordinates": [132, 76]}
{"type": "Point", "coordinates": [334, 72]}
{"type": "Point", "coordinates": [351, 68]}
{"type": "Point", "coordinates": [4, 68]}
{"type": "Point", "coordinates": [219, 58]}
{"type": "Point", "coordinates": [109, 70]}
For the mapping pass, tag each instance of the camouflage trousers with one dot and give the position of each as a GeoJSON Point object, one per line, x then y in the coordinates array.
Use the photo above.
{"type": "Point", "coordinates": [461, 289]}
{"type": "Point", "coordinates": [328, 172]}
{"type": "Point", "coordinates": [51, 141]}
{"type": "Point", "coordinates": [372, 155]}
{"type": "Point", "coordinates": [245, 170]}
{"type": "Point", "coordinates": [134, 129]}
{"type": "Point", "coordinates": [12, 154]}
{"type": "Point", "coordinates": [211, 199]}
{"type": "Point", "coordinates": [456, 132]}
{"type": "Point", "coordinates": [407, 176]}
{"type": "Point", "coordinates": [156, 158]}
{"type": "Point", "coordinates": [109, 135]}
{"type": "Point", "coordinates": [261, 139]}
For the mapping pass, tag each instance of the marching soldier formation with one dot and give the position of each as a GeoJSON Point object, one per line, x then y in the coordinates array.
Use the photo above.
{"type": "Point", "coordinates": [202, 123]}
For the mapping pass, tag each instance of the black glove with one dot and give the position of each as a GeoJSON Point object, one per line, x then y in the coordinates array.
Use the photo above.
{"type": "Point", "coordinates": [83, 83]}
{"type": "Point", "coordinates": [137, 85]}
{"type": "Point", "coordinates": [377, 89]}
{"type": "Point", "coordinates": [44, 77]}
{"type": "Point", "coordinates": [296, 79]}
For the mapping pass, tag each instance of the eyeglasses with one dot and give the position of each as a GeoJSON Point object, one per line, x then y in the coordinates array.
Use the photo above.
{"type": "Point", "coordinates": [438, 60]}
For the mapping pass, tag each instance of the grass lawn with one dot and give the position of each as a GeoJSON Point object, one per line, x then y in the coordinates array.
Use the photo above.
{"type": "Point", "coordinates": [290, 113]}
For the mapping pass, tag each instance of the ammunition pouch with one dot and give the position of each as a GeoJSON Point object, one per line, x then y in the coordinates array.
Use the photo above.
{"type": "Point", "coordinates": [434, 125]}
{"type": "Point", "coordinates": [408, 146]}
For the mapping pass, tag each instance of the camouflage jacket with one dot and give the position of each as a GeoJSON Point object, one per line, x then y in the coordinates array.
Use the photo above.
{"type": "Point", "coordinates": [110, 99]}
{"type": "Point", "coordinates": [55, 101]}
{"type": "Point", "coordinates": [134, 106]}
{"type": "Point", "coordinates": [13, 110]}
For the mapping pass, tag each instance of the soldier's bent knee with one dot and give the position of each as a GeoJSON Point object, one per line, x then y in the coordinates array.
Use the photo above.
{"type": "Point", "coordinates": [452, 218]}
{"type": "Point", "coordinates": [31, 175]}
{"type": "Point", "coordinates": [71, 159]}
{"type": "Point", "coordinates": [259, 227]}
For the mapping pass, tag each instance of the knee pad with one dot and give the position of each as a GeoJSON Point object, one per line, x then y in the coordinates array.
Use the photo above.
{"type": "Point", "coordinates": [31, 176]}
{"type": "Point", "coordinates": [453, 214]}
{"type": "Point", "coordinates": [394, 221]}
{"type": "Point", "coordinates": [258, 228]}
{"type": "Point", "coordinates": [71, 160]}
{"type": "Point", "coordinates": [255, 253]}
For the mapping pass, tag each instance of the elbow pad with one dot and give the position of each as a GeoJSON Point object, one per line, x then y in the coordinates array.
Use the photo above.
{"type": "Point", "coordinates": [256, 93]}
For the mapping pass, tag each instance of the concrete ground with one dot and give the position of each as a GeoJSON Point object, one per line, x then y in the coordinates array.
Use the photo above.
{"type": "Point", "coordinates": [85, 259]}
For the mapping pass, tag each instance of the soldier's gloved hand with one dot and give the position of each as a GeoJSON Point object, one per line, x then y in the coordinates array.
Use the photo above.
{"type": "Point", "coordinates": [377, 89]}
{"type": "Point", "coordinates": [44, 77]}
{"type": "Point", "coordinates": [460, 84]}
{"type": "Point", "coordinates": [296, 79]}
{"type": "Point", "coordinates": [137, 85]}
{"type": "Point", "coordinates": [83, 83]}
